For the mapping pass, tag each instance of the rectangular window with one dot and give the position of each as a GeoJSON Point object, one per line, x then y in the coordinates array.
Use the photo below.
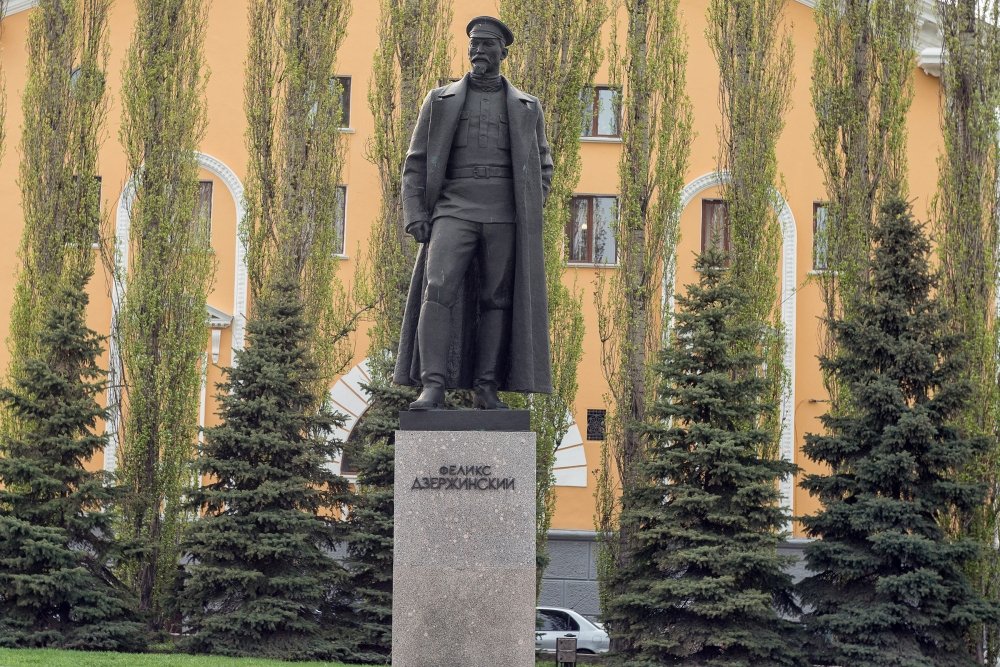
{"type": "Point", "coordinates": [595, 424]}
{"type": "Point", "coordinates": [340, 222]}
{"type": "Point", "coordinates": [204, 209]}
{"type": "Point", "coordinates": [715, 226]}
{"type": "Point", "coordinates": [821, 237]}
{"type": "Point", "coordinates": [347, 464]}
{"type": "Point", "coordinates": [591, 230]}
{"type": "Point", "coordinates": [345, 100]}
{"type": "Point", "coordinates": [600, 115]}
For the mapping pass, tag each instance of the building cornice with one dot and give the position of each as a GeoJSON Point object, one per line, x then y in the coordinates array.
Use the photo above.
{"type": "Point", "coordinates": [15, 6]}
{"type": "Point", "coordinates": [929, 36]}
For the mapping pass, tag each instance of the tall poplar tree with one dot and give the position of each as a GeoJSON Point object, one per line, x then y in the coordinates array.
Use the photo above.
{"type": "Point", "coordinates": [411, 59]}
{"type": "Point", "coordinates": [965, 217]}
{"type": "Point", "coordinates": [296, 152]}
{"type": "Point", "coordinates": [887, 585]}
{"type": "Point", "coordinates": [160, 328]}
{"type": "Point", "coordinates": [65, 107]}
{"type": "Point", "coordinates": [656, 117]}
{"type": "Point", "coordinates": [555, 57]}
{"type": "Point", "coordinates": [706, 583]}
{"type": "Point", "coordinates": [861, 92]}
{"type": "Point", "coordinates": [754, 52]}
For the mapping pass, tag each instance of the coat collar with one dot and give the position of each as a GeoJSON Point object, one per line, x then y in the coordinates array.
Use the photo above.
{"type": "Point", "coordinates": [458, 89]}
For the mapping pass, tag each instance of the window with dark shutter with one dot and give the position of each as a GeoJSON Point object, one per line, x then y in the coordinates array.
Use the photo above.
{"type": "Point", "coordinates": [341, 221]}
{"type": "Point", "coordinates": [595, 424]}
{"type": "Point", "coordinates": [715, 226]}
{"type": "Point", "coordinates": [204, 211]}
{"type": "Point", "coordinates": [821, 237]}
{"type": "Point", "coordinates": [345, 100]}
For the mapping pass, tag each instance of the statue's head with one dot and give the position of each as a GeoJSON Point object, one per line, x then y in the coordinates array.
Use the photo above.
{"type": "Point", "coordinates": [488, 42]}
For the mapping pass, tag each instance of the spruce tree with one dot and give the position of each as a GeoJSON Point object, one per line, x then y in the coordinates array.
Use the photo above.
{"type": "Point", "coordinates": [705, 584]}
{"type": "Point", "coordinates": [55, 586]}
{"type": "Point", "coordinates": [888, 586]}
{"type": "Point", "coordinates": [262, 580]}
{"type": "Point", "coordinates": [370, 543]}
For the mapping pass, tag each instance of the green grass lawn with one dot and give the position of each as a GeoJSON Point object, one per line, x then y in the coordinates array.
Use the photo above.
{"type": "Point", "coordinates": [53, 658]}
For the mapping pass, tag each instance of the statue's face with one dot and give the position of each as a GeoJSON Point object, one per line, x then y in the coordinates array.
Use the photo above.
{"type": "Point", "coordinates": [486, 54]}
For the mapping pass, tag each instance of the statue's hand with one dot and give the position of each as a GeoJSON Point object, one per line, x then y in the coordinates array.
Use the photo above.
{"type": "Point", "coordinates": [420, 230]}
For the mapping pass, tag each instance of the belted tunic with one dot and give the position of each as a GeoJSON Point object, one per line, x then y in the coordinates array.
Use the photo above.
{"type": "Point", "coordinates": [478, 184]}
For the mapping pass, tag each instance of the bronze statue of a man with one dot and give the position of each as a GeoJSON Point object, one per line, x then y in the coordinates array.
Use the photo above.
{"type": "Point", "coordinates": [474, 182]}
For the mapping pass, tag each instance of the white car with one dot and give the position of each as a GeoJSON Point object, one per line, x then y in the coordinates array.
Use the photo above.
{"type": "Point", "coordinates": [551, 623]}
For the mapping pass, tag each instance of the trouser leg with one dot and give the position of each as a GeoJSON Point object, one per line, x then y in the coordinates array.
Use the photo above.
{"type": "Point", "coordinates": [493, 341]}
{"type": "Point", "coordinates": [433, 340]}
{"type": "Point", "coordinates": [491, 356]}
{"type": "Point", "coordinates": [451, 248]}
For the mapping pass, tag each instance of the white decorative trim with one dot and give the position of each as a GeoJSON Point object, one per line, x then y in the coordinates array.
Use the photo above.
{"type": "Point", "coordinates": [570, 465]}
{"type": "Point", "coordinates": [218, 319]}
{"type": "Point", "coordinates": [348, 397]}
{"type": "Point", "coordinates": [931, 60]}
{"type": "Point", "coordinates": [222, 171]}
{"type": "Point", "coordinates": [789, 294]}
{"type": "Point", "coordinates": [590, 265]}
{"type": "Point", "coordinates": [17, 6]}
{"type": "Point", "coordinates": [123, 223]}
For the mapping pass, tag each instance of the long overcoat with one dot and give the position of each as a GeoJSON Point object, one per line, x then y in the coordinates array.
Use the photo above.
{"type": "Point", "coordinates": [424, 169]}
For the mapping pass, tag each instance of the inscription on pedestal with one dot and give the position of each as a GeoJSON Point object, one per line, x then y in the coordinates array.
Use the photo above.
{"type": "Point", "coordinates": [464, 478]}
{"type": "Point", "coordinates": [464, 549]}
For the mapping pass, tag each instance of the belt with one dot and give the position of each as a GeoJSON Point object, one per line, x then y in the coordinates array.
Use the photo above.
{"type": "Point", "coordinates": [481, 172]}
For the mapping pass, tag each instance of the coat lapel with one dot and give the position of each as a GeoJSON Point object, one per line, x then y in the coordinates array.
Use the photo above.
{"type": "Point", "coordinates": [447, 106]}
{"type": "Point", "coordinates": [521, 110]}
{"type": "Point", "coordinates": [444, 118]}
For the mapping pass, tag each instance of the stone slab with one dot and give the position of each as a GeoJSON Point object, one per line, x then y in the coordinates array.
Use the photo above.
{"type": "Point", "coordinates": [568, 559]}
{"type": "Point", "coordinates": [551, 594]}
{"type": "Point", "coordinates": [464, 420]}
{"type": "Point", "coordinates": [464, 549]}
{"type": "Point", "coordinates": [583, 596]}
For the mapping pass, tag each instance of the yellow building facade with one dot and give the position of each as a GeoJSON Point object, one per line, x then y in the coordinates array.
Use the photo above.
{"type": "Point", "coordinates": [223, 159]}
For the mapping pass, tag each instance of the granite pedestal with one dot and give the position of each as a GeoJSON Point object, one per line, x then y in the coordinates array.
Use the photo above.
{"type": "Point", "coordinates": [464, 548]}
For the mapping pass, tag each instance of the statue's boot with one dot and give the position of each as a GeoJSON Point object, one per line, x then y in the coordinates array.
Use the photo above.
{"type": "Point", "coordinates": [433, 340]}
{"type": "Point", "coordinates": [491, 351]}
